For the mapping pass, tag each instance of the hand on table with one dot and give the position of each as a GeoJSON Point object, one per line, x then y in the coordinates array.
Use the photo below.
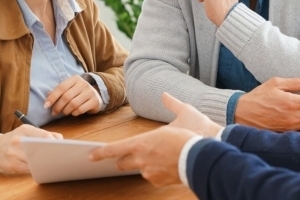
{"type": "Point", "coordinates": [154, 153]}
{"type": "Point", "coordinates": [12, 158]}
{"type": "Point", "coordinates": [216, 10]}
{"type": "Point", "coordinates": [271, 105]}
{"type": "Point", "coordinates": [190, 118]}
{"type": "Point", "coordinates": [74, 96]}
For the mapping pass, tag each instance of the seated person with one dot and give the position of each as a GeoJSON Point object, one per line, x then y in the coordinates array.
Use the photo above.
{"type": "Point", "coordinates": [212, 55]}
{"type": "Point", "coordinates": [250, 163]}
{"type": "Point", "coordinates": [57, 58]}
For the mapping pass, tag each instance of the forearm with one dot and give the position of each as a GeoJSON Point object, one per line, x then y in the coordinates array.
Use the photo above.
{"type": "Point", "coordinates": [109, 57]}
{"type": "Point", "coordinates": [218, 171]}
{"type": "Point", "coordinates": [249, 36]}
{"type": "Point", "coordinates": [144, 94]}
{"type": "Point", "coordinates": [160, 62]}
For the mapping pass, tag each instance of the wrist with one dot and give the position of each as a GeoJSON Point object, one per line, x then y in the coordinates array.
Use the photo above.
{"type": "Point", "coordinates": [215, 129]}
{"type": "Point", "coordinates": [240, 111]}
{"type": "Point", "coordinates": [226, 11]}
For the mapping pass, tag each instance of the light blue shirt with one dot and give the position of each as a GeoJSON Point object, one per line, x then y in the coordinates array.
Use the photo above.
{"type": "Point", "coordinates": [51, 64]}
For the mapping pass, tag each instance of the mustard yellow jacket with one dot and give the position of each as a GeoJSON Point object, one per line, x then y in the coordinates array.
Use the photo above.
{"type": "Point", "coordinates": [88, 39]}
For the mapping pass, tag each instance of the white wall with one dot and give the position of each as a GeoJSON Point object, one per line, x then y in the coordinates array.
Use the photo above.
{"type": "Point", "coordinates": [108, 17]}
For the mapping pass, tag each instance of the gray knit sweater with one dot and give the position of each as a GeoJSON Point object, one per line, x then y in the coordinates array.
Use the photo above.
{"type": "Point", "coordinates": [176, 48]}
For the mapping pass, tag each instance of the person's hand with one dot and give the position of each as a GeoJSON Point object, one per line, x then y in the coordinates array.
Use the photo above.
{"type": "Point", "coordinates": [271, 105]}
{"type": "Point", "coordinates": [155, 154]}
{"type": "Point", "coordinates": [12, 158]}
{"type": "Point", "coordinates": [189, 117]}
{"type": "Point", "coordinates": [216, 10]}
{"type": "Point", "coordinates": [74, 96]}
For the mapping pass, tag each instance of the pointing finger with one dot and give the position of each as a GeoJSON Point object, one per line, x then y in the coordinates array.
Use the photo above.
{"type": "Point", "coordinates": [171, 103]}
{"type": "Point", "coordinates": [115, 149]}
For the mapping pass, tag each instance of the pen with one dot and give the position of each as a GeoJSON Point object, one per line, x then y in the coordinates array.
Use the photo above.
{"type": "Point", "coordinates": [23, 118]}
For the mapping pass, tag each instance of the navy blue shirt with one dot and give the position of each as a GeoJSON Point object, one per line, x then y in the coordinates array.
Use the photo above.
{"type": "Point", "coordinates": [232, 73]}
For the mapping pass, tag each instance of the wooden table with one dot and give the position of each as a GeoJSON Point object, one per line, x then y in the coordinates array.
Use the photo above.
{"type": "Point", "coordinates": [119, 124]}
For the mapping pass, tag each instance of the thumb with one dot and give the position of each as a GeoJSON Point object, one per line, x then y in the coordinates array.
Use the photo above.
{"type": "Point", "coordinates": [171, 103]}
{"type": "Point", "coordinates": [289, 84]}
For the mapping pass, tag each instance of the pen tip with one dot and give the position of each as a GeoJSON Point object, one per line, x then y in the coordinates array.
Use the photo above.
{"type": "Point", "coordinates": [18, 113]}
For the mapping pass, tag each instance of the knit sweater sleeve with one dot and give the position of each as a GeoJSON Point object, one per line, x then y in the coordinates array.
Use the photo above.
{"type": "Point", "coordinates": [265, 49]}
{"type": "Point", "coordinates": [159, 61]}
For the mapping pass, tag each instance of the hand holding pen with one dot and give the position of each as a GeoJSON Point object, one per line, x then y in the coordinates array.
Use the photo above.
{"type": "Point", "coordinates": [23, 118]}
{"type": "Point", "coordinates": [12, 156]}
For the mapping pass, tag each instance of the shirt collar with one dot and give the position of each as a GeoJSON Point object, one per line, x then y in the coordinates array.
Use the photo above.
{"type": "Point", "coordinates": [28, 15]}
{"type": "Point", "coordinates": [68, 8]}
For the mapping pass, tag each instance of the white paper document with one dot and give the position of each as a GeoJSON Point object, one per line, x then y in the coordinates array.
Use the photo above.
{"type": "Point", "coordinates": [52, 160]}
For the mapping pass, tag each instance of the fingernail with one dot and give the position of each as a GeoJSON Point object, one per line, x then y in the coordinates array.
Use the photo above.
{"type": "Point", "coordinates": [47, 104]}
{"type": "Point", "coordinates": [53, 113]}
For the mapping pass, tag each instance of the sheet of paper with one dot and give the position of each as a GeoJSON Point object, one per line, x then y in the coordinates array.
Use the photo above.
{"type": "Point", "coordinates": [64, 160]}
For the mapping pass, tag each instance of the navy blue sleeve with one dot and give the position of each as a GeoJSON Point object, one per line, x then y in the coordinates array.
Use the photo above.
{"type": "Point", "coordinates": [219, 171]}
{"type": "Point", "coordinates": [279, 150]}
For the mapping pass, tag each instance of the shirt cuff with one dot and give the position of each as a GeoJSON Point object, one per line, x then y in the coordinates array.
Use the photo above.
{"type": "Point", "coordinates": [102, 88]}
{"type": "Point", "coordinates": [226, 132]}
{"type": "Point", "coordinates": [231, 106]}
{"type": "Point", "coordinates": [182, 162]}
{"type": "Point", "coordinates": [219, 135]}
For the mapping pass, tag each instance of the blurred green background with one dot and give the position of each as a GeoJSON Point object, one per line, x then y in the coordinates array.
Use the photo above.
{"type": "Point", "coordinates": [127, 13]}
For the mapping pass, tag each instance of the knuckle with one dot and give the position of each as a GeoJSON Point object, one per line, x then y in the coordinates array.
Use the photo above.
{"type": "Point", "coordinates": [58, 135]}
{"type": "Point", "coordinates": [74, 104]}
{"type": "Point", "coordinates": [109, 152]}
{"type": "Point", "coordinates": [76, 77]}
{"type": "Point", "coordinates": [60, 88]}
{"type": "Point", "coordinates": [275, 80]}
{"type": "Point", "coordinates": [147, 175]}
{"type": "Point", "coordinates": [80, 110]}
{"type": "Point", "coordinates": [140, 162]}
{"type": "Point", "coordinates": [56, 109]}
{"type": "Point", "coordinates": [120, 165]}
{"type": "Point", "coordinates": [9, 154]}
{"type": "Point", "coordinates": [11, 167]}
{"type": "Point", "coordinates": [25, 127]}
{"type": "Point", "coordinates": [158, 181]}
{"type": "Point", "coordinates": [48, 135]}
{"type": "Point", "coordinates": [66, 97]}
{"type": "Point", "coordinates": [15, 141]}
{"type": "Point", "coordinates": [139, 147]}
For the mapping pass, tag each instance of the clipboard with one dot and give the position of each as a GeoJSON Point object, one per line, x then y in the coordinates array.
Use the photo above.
{"type": "Point", "coordinates": [52, 160]}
